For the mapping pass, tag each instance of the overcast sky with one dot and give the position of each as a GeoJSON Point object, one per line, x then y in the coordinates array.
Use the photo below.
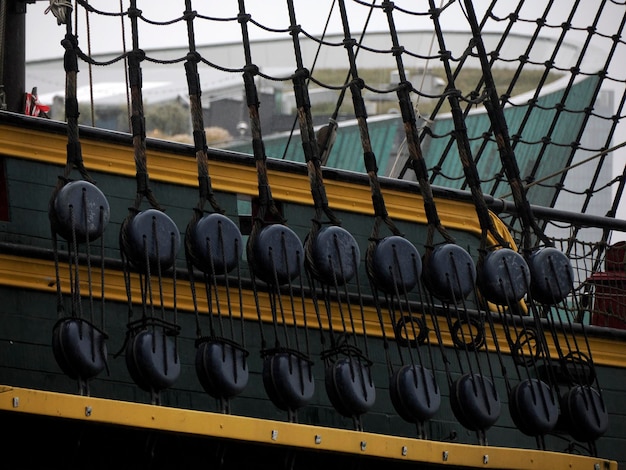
{"type": "Point", "coordinates": [105, 32]}
{"type": "Point", "coordinates": [312, 14]}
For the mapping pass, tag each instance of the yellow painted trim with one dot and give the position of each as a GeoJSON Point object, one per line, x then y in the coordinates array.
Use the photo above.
{"type": "Point", "coordinates": [39, 274]}
{"type": "Point", "coordinates": [167, 167]}
{"type": "Point", "coordinates": [198, 423]}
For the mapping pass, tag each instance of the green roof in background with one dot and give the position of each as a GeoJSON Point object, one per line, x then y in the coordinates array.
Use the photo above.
{"type": "Point", "coordinates": [347, 153]}
{"type": "Point", "coordinates": [386, 132]}
{"type": "Point", "coordinates": [542, 118]}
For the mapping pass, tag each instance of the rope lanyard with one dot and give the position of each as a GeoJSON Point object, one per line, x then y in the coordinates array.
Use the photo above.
{"type": "Point", "coordinates": [463, 144]}
{"type": "Point", "coordinates": [575, 359]}
{"type": "Point", "coordinates": [268, 214]}
{"type": "Point", "coordinates": [213, 247]}
{"type": "Point", "coordinates": [78, 212]}
{"type": "Point", "coordinates": [74, 161]}
{"type": "Point", "coordinates": [500, 130]}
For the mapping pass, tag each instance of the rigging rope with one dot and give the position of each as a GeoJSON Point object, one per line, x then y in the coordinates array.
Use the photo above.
{"type": "Point", "coordinates": [78, 212]}
{"type": "Point", "coordinates": [319, 48]}
{"type": "Point", "coordinates": [327, 134]}
{"type": "Point", "coordinates": [213, 244]}
{"type": "Point", "coordinates": [275, 255]}
{"type": "Point", "coordinates": [149, 242]}
{"type": "Point", "coordinates": [558, 290]}
{"type": "Point", "coordinates": [316, 154]}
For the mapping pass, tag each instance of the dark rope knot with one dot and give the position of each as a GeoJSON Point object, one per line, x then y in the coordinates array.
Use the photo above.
{"type": "Point", "coordinates": [194, 56]}
{"type": "Point", "coordinates": [70, 41]}
{"type": "Point", "coordinates": [302, 74]}
{"type": "Point", "coordinates": [295, 29]}
{"type": "Point", "coordinates": [406, 86]}
{"type": "Point", "coordinates": [70, 59]}
{"type": "Point", "coordinates": [244, 17]}
{"type": "Point", "coordinates": [397, 50]}
{"type": "Point", "coordinates": [251, 69]}
{"type": "Point", "coordinates": [349, 43]}
{"type": "Point", "coordinates": [137, 55]}
{"type": "Point", "coordinates": [388, 6]}
{"type": "Point", "coordinates": [189, 15]}
{"type": "Point", "coordinates": [358, 83]}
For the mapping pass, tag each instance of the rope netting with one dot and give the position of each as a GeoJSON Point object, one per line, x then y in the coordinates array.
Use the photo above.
{"type": "Point", "coordinates": [554, 72]}
{"type": "Point", "coordinates": [554, 69]}
{"type": "Point", "coordinates": [515, 102]}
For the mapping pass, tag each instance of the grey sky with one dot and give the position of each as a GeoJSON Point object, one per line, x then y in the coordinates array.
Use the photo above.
{"type": "Point", "coordinates": [44, 35]}
{"type": "Point", "coordinates": [312, 14]}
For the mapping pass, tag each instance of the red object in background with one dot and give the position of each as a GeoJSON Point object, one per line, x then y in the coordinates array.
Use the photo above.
{"type": "Point", "coordinates": [615, 259]}
{"type": "Point", "coordinates": [32, 106]}
{"type": "Point", "coordinates": [609, 300]}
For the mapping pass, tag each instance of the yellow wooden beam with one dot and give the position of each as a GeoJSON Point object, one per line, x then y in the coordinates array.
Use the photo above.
{"type": "Point", "coordinates": [276, 433]}
{"type": "Point", "coordinates": [234, 178]}
{"type": "Point", "coordinates": [39, 274]}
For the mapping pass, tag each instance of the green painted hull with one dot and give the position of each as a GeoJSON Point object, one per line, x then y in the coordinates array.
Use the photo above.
{"type": "Point", "coordinates": [29, 314]}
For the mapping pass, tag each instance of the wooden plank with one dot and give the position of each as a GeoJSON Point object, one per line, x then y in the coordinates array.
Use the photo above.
{"type": "Point", "coordinates": [284, 434]}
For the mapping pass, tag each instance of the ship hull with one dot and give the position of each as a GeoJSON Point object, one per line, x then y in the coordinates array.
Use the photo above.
{"type": "Point", "coordinates": [119, 422]}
